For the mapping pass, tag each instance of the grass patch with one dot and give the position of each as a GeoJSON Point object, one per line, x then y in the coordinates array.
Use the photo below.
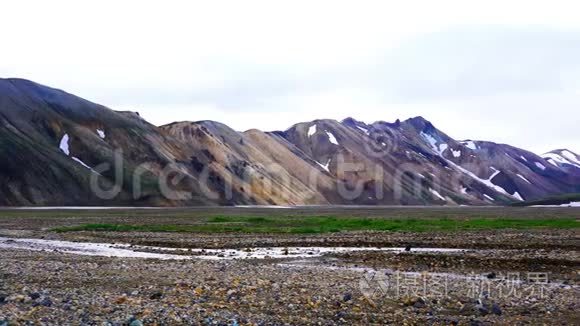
{"type": "Point", "coordinates": [309, 225]}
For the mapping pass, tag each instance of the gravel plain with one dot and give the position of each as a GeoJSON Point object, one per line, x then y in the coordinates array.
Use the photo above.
{"type": "Point", "coordinates": [503, 277]}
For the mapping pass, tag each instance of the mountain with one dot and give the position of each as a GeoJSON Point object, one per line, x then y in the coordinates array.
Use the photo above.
{"type": "Point", "coordinates": [255, 167]}
{"type": "Point", "coordinates": [450, 171]}
{"type": "Point", "coordinates": [564, 158]}
{"type": "Point", "coordinates": [52, 143]}
{"type": "Point", "coordinates": [59, 149]}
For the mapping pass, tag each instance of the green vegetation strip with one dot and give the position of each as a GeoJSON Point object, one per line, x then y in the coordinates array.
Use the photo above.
{"type": "Point", "coordinates": [223, 224]}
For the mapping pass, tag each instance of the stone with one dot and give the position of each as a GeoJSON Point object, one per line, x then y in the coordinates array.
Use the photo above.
{"type": "Point", "coordinates": [347, 297]}
{"type": "Point", "coordinates": [17, 298]}
{"type": "Point", "coordinates": [496, 309]}
{"type": "Point", "coordinates": [46, 302]}
{"type": "Point", "coordinates": [34, 295]}
{"type": "Point", "coordinates": [482, 309]}
{"type": "Point", "coordinates": [156, 295]}
{"type": "Point", "coordinates": [419, 303]}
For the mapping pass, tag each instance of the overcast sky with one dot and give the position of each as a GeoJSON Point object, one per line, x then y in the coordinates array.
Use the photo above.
{"type": "Point", "coordinates": [505, 71]}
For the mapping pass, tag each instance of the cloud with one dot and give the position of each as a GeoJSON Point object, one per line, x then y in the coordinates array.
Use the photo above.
{"type": "Point", "coordinates": [463, 62]}
{"type": "Point", "coordinates": [492, 71]}
{"type": "Point", "coordinates": [482, 61]}
{"type": "Point", "coordinates": [473, 71]}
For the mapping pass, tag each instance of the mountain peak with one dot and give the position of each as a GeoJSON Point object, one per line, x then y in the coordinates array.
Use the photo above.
{"type": "Point", "coordinates": [562, 150]}
{"type": "Point", "coordinates": [421, 124]}
{"type": "Point", "coordinates": [562, 157]}
{"type": "Point", "coordinates": [350, 121]}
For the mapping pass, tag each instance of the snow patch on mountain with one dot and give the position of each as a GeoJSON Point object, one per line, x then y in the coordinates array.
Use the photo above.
{"type": "Point", "coordinates": [551, 161]}
{"type": "Point", "coordinates": [494, 174]}
{"type": "Point", "coordinates": [311, 130]}
{"type": "Point", "coordinates": [325, 166]}
{"type": "Point", "coordinates": [469, 144]}
{"type": "Point", "coordinates": [85, 165]}
{"type": "Point", "coordinates": [523, 178]}
{"type": "Point", "coordinates": [101, 133]}
{"type": "Point", "coordinates": [486, 182]}
{"type": "Point", "coordinates": [433, 142]}
{"type": "Point", "coordinates": [436, 193]}
{"type": "Point", "coordinates": [456, 153]}
{"type": "Point", "coordinates": [64, 144]}
{"type": "Point", "coordinates": [490, 184]}
{"type": "Point", "coordinates": [570, 156]}
{"type": "Point", "coordinates": [440, 149]}
{"type": "Point", "coordinates": [572, 204]}
{"type": "Point", "coordinates": [366, 131]}
{"type": "Point", "coordinates": [488, 197]}
{"type": "Point", "coordinates": [563, 157]}
{"type": "Point", "coordinates": [540, 165]}
{"type": "Point", "coordinates": [331, 138]}
{"type": "Point", "coordinates": [64, 147]}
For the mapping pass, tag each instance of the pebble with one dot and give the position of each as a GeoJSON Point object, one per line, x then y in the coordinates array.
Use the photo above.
{"type": "Point", "coordinates": [482, 309]}
{"type": "Point", "coordinates": [496, 309]}
{"type": "Point", "coordinates": [46, 302]}
{"type": "Point", "coordinates": [34, 295]}
{"type": "Point", "coordinates": [156, 295]}
{"type": "Point", "coordinates": [347, 297]}
{"type": "Point", "coordinates": [112, 291]}
{"type": "Point", "coordinates": [419, 303]}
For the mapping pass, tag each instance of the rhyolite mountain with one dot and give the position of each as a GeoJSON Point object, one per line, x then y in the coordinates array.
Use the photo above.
{"type": "Point", "coordinates": [52, 143]}
{"type": "Point", "coordinates": [58, 149]}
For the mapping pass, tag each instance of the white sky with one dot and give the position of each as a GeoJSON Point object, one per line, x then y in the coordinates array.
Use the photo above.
{"type": "Point", "coordinates": [505, 71]}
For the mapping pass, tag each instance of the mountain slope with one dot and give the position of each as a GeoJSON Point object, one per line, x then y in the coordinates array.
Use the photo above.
{"type": "Point", "coordinates": [52, 141]}
{"type": "Point", "coordinates": [257, 168]}
{"type": "Point", "coordinates": [59, 149]}
{"type": "Point", "coordinates": [563, 158]}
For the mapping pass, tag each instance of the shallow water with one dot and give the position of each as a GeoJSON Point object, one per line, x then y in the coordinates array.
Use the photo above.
{"type": "Point", "coordinates": [81, 248]}
{"type": "Point", "coordinates": [298, 252]}
{"type": "Point", "coordinates": [128, 251]}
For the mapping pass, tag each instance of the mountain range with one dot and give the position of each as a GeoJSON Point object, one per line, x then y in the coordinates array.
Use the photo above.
{"type": "Point", "coordinates": [58, 149]}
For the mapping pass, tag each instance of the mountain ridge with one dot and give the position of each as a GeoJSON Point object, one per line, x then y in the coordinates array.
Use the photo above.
{"type": "Point", "coordinates": [319, 162]}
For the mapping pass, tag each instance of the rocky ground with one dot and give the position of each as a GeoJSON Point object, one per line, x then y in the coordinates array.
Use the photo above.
{"type": "Point", "coordinates": [514, 277]}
